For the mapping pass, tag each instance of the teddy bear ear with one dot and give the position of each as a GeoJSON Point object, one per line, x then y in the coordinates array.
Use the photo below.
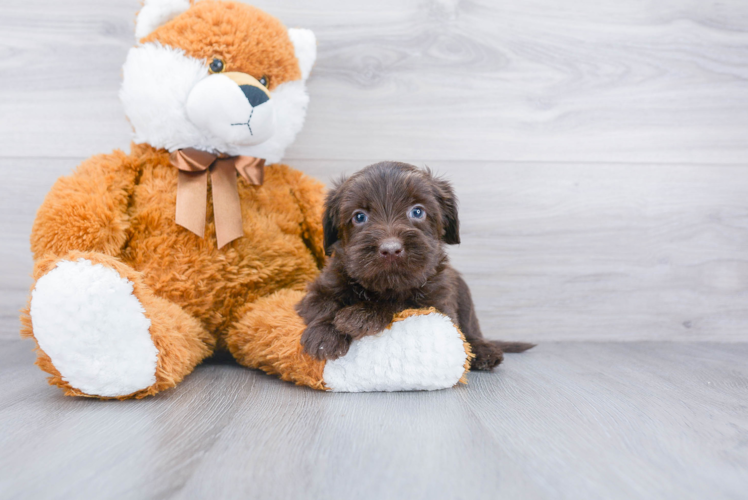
{"type": "Point", "coordinates": [157, 12]}
{"type": "Point", "coordinates": [305, 47]}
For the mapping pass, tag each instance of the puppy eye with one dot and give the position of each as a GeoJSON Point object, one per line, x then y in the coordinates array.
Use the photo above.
{"type": "Point", "coordinates": [216, 66]}
{"type": "Point", "coordinates": [360, 218]}
{"type": "Point", "coordinates": [264, 81]}
{"type": "Point", "coordinates": [417, 213]}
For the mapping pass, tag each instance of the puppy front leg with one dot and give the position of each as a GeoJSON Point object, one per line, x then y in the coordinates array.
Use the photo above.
{"type": "Point", "coordinates": [360, 320]}
{"type": "Point", "coordinates": [322, 341]}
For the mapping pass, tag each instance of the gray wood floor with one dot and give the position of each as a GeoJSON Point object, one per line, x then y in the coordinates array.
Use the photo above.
{"type": "Point", "coordinates": [565, 421]}
{"type": "Point", "coordinates": [599, 150]}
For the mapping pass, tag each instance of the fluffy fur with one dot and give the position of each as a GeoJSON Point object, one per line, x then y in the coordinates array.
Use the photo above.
{"type": "Point", "coordinates": [305, 48]}
{"type": "Point", "coordinates": [422, 350]}
{"type": "Point", "coordinates": [180, 340]}
{"type": "Point", "coordinates": [157, 12]}
{"type": "Point", "coordinates": [108, 350]}
{"type": "Point", "coordinates": [162, 77]}
{"type": "Point", "coordinates": [290, 101]}
{"type": "Point", "coordinates": [109, 258]}
{"type": "Point", "coordinates": [162, 73]}
{"type": "Point", "coordinates": [282, 246]}
{"type": "Point", "coordinates": [418, 352]}
{"type": "Point", "coordinates": [247, 39]}
{"type": "Point", "coordinates": [386, 227]}
{"type": "Point", "coordinates": [266, 337]}
{"type": "Point", "coordinates": [118, 210]}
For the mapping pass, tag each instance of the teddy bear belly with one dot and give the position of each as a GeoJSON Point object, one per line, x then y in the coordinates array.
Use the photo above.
{"type": "Point", "coordinates": [213, 284]}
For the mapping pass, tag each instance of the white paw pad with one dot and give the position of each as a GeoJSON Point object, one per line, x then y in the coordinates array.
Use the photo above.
{"type": "Point", "coordinates": [87, 320]}
{"type": "Point", "coordinates": [419, 353]}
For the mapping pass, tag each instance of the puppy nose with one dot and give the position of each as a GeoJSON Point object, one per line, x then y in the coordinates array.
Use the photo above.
{"type": "Point", "coordinates": [391, 248]}
{"type": "Point", "coordinates": [254, 95]}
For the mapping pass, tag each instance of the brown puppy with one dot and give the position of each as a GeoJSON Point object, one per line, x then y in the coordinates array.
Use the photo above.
{"type": "Point", "coordinates": [385, 228]}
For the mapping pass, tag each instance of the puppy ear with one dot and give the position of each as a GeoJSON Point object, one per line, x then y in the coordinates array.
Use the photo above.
{"type": "Point", "coordinates": [331, 218]}
{"type": "Point", "coordinates": [445, 195]}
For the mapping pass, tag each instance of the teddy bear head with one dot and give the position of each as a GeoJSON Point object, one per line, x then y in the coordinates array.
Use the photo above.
{"type": "Point", "coordinates": [218, 76]}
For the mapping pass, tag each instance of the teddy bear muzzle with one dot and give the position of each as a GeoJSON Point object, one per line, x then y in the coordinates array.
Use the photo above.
{"type": "Point", "coordinates": [233, 107]}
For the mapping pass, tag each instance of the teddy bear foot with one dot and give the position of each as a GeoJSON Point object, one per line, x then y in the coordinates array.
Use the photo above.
{"type": "Point", "coordinates": [94, 329]}
{"type": "Point", "coordinates": [421, 351]}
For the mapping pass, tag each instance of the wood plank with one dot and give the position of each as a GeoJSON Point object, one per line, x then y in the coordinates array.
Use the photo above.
{"type": "Point", "coordinates": [566, 420]}
{"type": "Point", "coordinates": [589, 420]}
{"type": "Point", "coordinates": [600, 251]}
{"type": "Point", "coordinates": [594, 81]}
{"type": "Point", "coordinates": [28, 181]}
{"type": "Point", "coordinates": [551, 251]}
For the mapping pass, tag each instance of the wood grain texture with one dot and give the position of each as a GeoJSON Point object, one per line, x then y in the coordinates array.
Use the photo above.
{"type": "Point", "coordinates": [600, 251]}
{"type": "Point", "coordinates": [598, 148]}
{"type": "Point", "coordinates": [566, 420]}
{"type": "Point", "coordinates": [551, 251]}
{"type": "Point", "coordinates": [590, 80]}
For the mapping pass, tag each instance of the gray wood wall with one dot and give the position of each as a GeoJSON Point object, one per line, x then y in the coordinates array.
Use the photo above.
{"type": "Point", "coordinates": [599, 147]}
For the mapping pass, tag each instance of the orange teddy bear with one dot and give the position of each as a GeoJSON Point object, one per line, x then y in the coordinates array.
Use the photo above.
{"type": "Point", "coordinates": [147, 263]}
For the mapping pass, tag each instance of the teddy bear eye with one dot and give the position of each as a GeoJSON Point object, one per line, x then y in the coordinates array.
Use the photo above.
{"type": "Point", "coordinates": [263, 81]}
{"type": "Point", "coordinates": [216, 65]}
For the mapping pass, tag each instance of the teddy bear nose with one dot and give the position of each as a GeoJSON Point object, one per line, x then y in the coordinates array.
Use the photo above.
{"type": "Point", "coordinates": [391, 248]}
{"type": "Point", "coordinates": [254, 95]}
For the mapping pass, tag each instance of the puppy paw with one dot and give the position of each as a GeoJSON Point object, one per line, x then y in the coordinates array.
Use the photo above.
{"type": "Point", "coordinates": [325, 342]}
{"type": "Point", "coordinates": [358, 321]}
{"type": "Point", "coordinates": [487, 355]}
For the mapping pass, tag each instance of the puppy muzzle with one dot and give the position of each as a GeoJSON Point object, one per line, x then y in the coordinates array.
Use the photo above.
{"type": "Point", "coordinates": [233, 107]}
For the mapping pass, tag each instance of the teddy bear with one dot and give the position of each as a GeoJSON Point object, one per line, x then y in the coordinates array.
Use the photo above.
{"type": "Point", "coordinates": [200, 239]}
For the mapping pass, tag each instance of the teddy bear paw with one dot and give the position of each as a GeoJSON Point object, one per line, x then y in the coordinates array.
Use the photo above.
{"type": "Point", "coordinates": [422, 352]}
{"type": "Point", "coordinates": [88, 321]}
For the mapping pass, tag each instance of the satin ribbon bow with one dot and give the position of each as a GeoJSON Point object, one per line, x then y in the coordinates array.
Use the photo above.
{"type": "Point", "coordinates": [192, 190]}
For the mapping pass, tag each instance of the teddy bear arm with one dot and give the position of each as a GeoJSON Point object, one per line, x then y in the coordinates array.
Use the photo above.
{"type": "Point", "coordinates": [87, 210]}
{"type": "Point", "coordinates": [310, 195]}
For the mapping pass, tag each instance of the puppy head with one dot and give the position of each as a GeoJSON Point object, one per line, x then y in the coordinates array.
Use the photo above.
{"type": "Point", "coordinates": [388, 223]}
